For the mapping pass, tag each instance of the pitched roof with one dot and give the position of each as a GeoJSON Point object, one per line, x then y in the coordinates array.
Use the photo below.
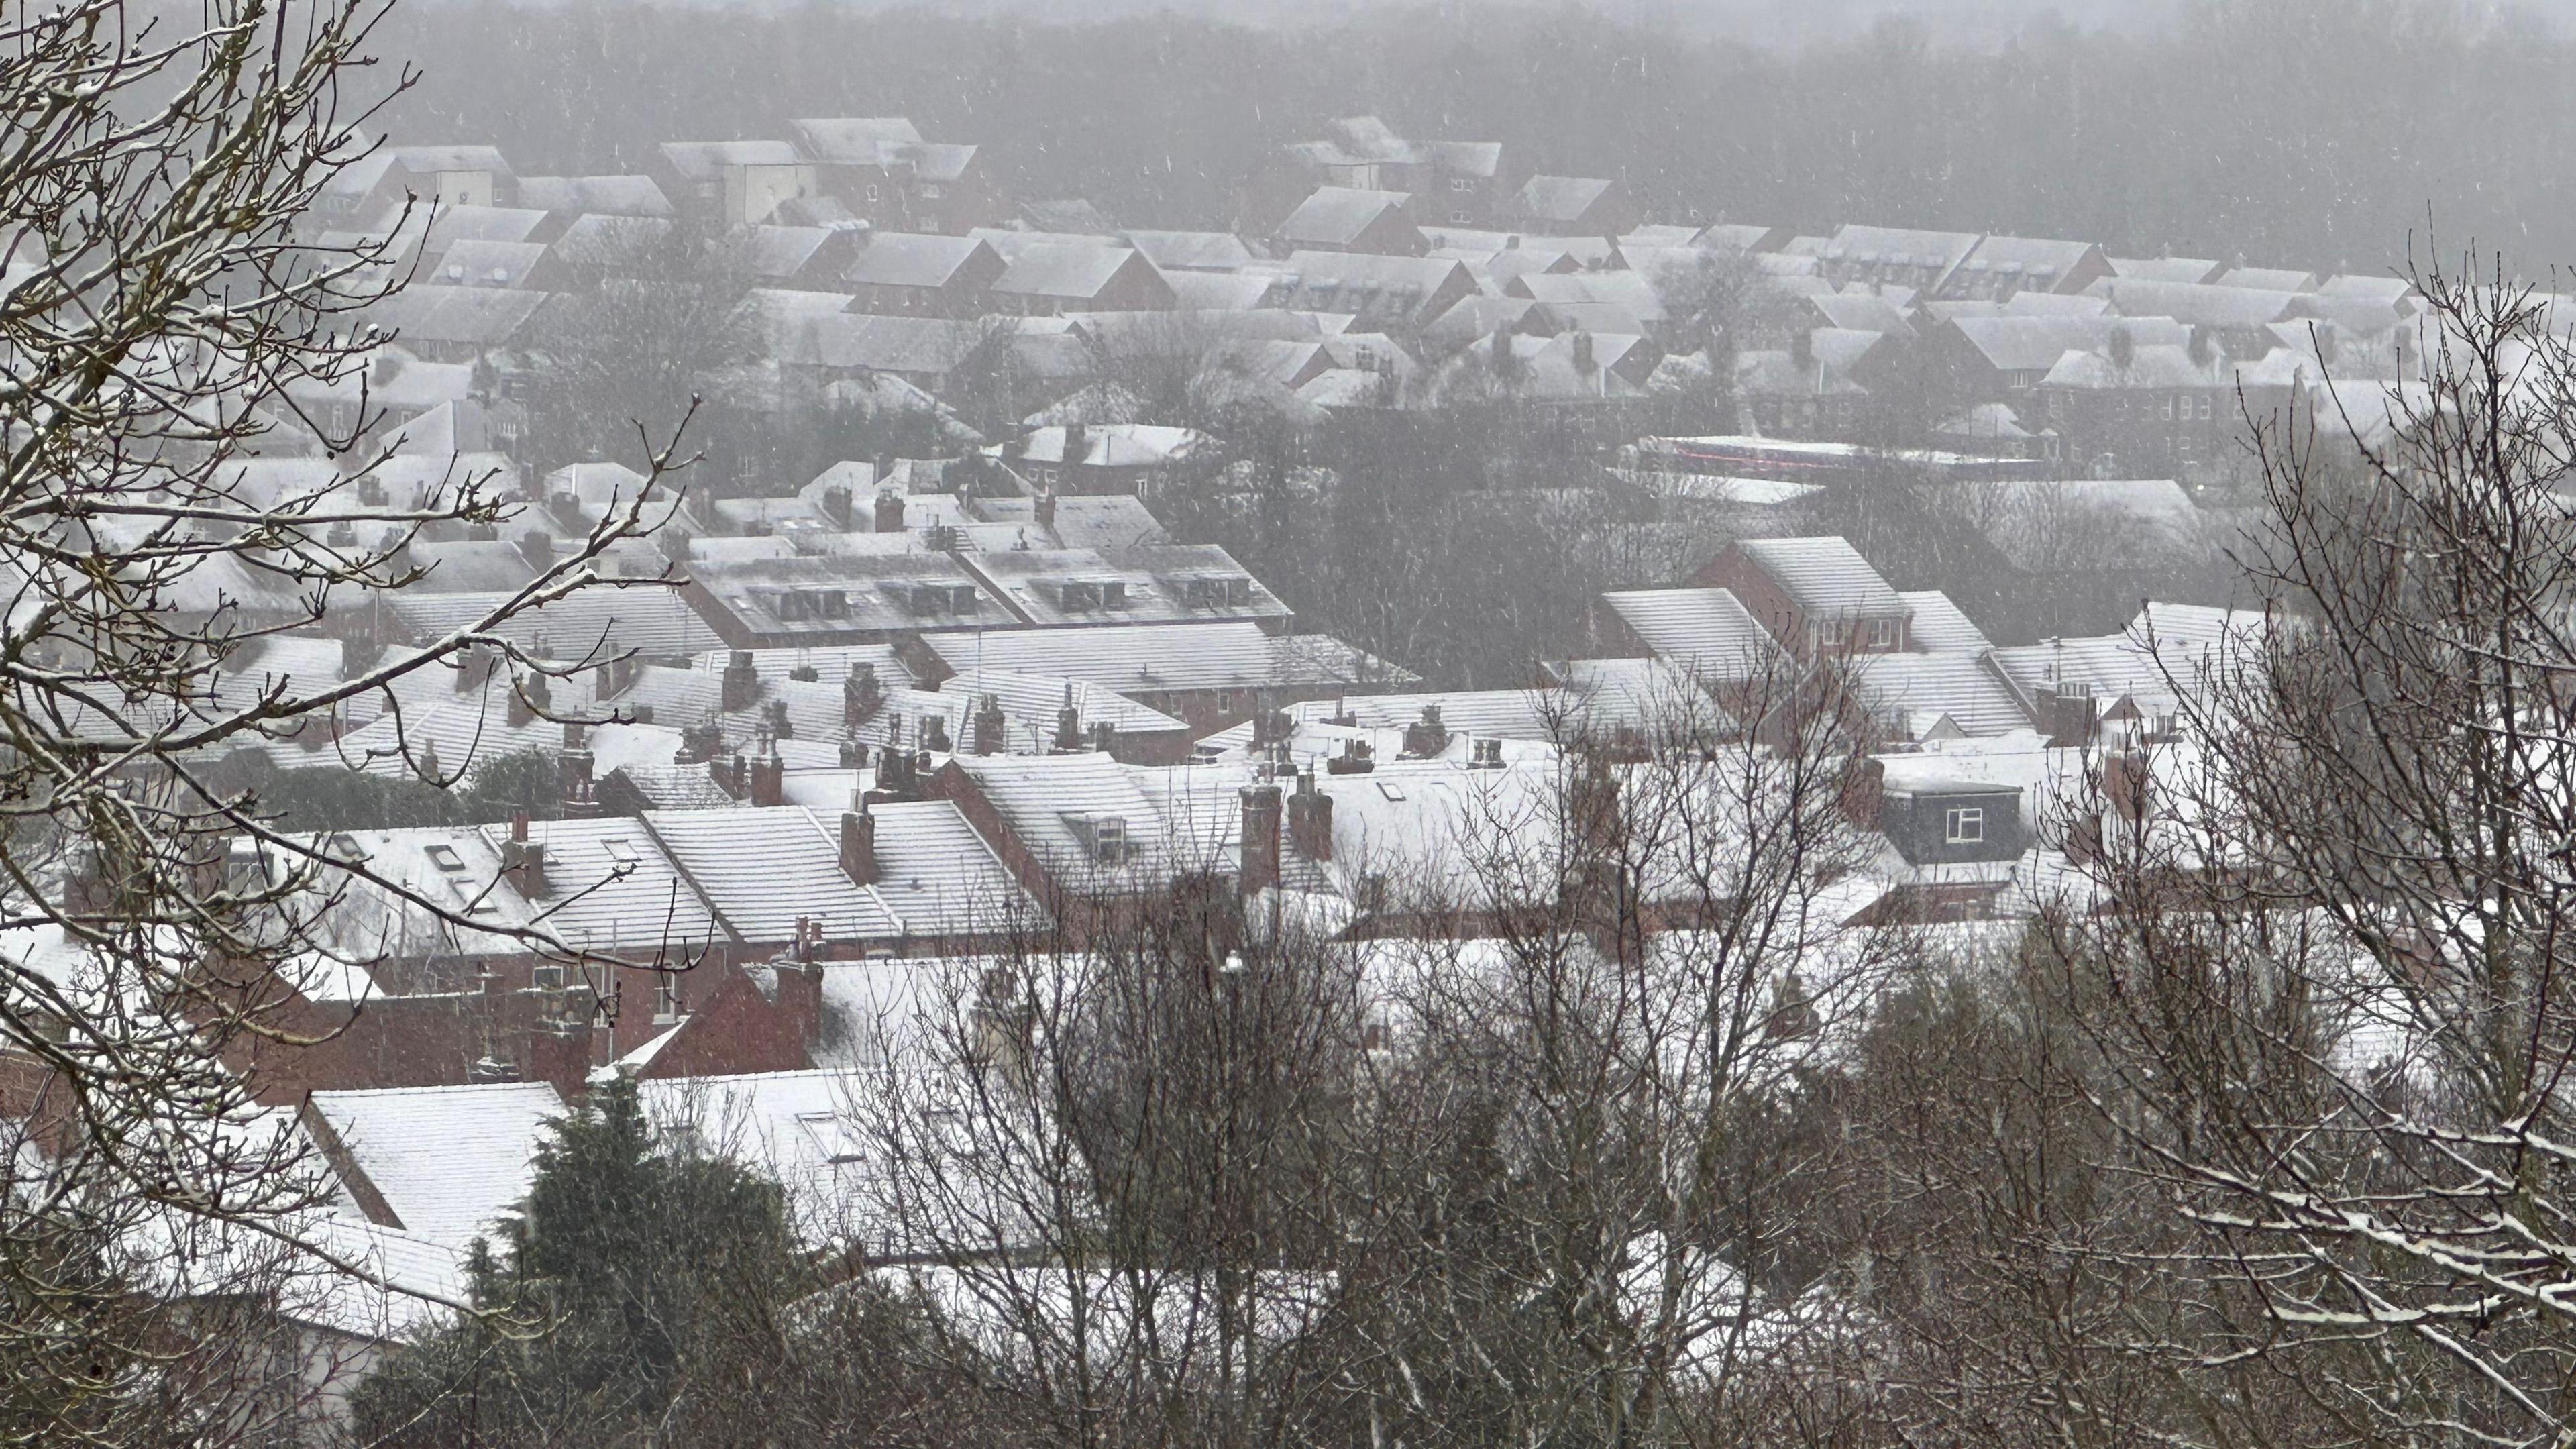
{"type": "Point", "coordinates": [874, 591]}
{"type": "Point", "coordinates": [1367, 285]}
{"type": "Point", "coordinates": [1547, 714]}
{"type": "Point", "coordinates": [941, 878]}
{"type": "Point", "coordinates": [1154, 658]}
{"type": "Point", "coordinates": [1052, 803]}
{"type": "Point", "coordinates": [1190, 250]}
{"type": "Point", "coordinates": [1076, 271]}
{"type": "Point", "coordinates": [1939, 625]}
{"type": "Point", "coordinates": [1559, 198]}
{"type": "Point", "coordinates": [490, 263]}
{"type": "Point", "coordinates": [2201, 306]}
{"type": "Point", "coordinates": [2034, 344]}
{"type": "Point", "coordinates": [1161, 582]}
{"type": "Point", "coordinates": [1938, 252]}
{"type": "Point", "coordinates": [449, 1161]}
{"type": "Point", "coordinates": [1953, 683]}
{"type": "Point", "coordinates": [1031, 702]}
{"type": "Point", "coordinates": [707, 160]}
{"type": "Point", "coordinates": [2167, 269]}
{"type": "Point", "coordinates": [466, 316]}
{"type": "Point", "coordinates": [763, 869]}
{"type": "Point", "coordinates": [1824, 576]}
{"type": "Point", "coordinates": [906, 259]}
{"type": "Point", "coordinates": [631, 196]}
{"type": "Point", "coordinates": [453, 224]}
{"type": "Point", "coordinates": [1337, 216]}
{"type": "Point", "coordinates": [2269, 279]}
{"type": "Point", "coordinates": [2151, 365]}
{"type": "Point", "coordinates": [603, 621]}
{"type": "Point", "coordinates": [856, 140]}
{"type": "Point", "coordinates": [612, 888]}
{"type": "Point", "coordinates": [1707, 630]}
{"type": "Point", "coordinates": [452, 157]}
{"type": "Point", "coordinates": [2041, 261]}
{"type": "Point", "coordinates": [775, 252]}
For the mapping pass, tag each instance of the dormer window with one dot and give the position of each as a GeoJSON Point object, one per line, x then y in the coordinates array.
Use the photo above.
{"type": "Point", "coordinates": [1882, 633]}
{"type": "Point", "coordinates": [1104, 838]}
{"type": "Point", "coordinates": [1965, 825]}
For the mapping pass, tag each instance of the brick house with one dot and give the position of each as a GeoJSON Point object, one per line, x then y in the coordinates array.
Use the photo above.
{"type": "Point", "coordinates": [1816, 595]}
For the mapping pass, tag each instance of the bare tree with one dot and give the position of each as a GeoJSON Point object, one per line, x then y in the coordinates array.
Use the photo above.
{"type": "Point", "coordinates": [2331, 958]}
{"type": "Point", "coordinates": [159, 304]}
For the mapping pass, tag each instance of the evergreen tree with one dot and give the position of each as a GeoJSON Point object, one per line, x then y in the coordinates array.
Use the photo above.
{"type": "Point", "coordinates": [639, 1289]}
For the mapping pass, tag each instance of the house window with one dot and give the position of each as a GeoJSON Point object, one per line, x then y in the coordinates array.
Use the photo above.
{"type": "Point", "coordinates": [1462, 183]}
{"type": "Point", "coordinates": [2204, 407]}
{"type": "Point", "coordinates": [932, 191]}
{"type": "Point", "coordinates": [666, 999]}
{"type": "Point", "coordinates": [1967, 825]}
{"type": "Point", "coordinates": [1882, 633]}
{"type": "Point", "coordinates": [872, 195]}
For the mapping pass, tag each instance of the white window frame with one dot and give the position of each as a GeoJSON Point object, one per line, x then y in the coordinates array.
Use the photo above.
{"type": "Point", "coordinates": [1882, 633]}
{"type": "Point", "coordinates": [1964, 825]}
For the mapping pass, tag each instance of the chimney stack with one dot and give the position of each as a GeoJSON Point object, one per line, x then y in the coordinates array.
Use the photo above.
{"type": "Point", "coordinates": [577, 763]}
{"type": "Point", "coordinates": [1310, 819]}
{"type": "Point", "coordinates": [1068, 723]}
{"type": "Point", "coordinates": [934, 735]}
{"type": "Point", "coordinates": [524, 860]}
{"type": "Point", "coordinates": [1103, 735]}
{"type": "Point", "coordinates": [835, 505]}
{"type": "Point", "coordinates": [859, 846]}
{"type": "Point", "coordinates": [889, 512]}
{"type": "Point", "coordinates": [992, 731]}
{"type": "Point", "coordinates": [861, 695]}
{"type": "Point", "coordinates": [1046, 509]}
{"type": "Point", "coordinates": [1426, 736]}
{"type": "Point", "coordinates": [741, 682]}
{"type": "Point", "coordinates": [768, 779]}
{"type": "Point", "coordinates": [1260, 839]}
{"type": "Point", "coordinates": [894, 772]}
{"type": "Point", "coordinates": [800, 984]}
{"type": "Point", "coordinates": [559, 1053]}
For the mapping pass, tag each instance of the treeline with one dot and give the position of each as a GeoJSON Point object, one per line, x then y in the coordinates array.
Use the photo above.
{"type": "Point", "coordinates": [2315, 132]}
